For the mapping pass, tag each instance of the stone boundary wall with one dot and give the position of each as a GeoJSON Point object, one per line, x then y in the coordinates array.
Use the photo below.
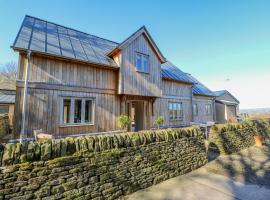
{"type": "Point", "coordinates": [101, 168]}
{"type": "Point", "coordinates": [232, 138]}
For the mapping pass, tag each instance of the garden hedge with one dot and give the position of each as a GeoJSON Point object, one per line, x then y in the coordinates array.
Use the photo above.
{"type": "Point", "coordinates": [4, 126]}
{"type": "Point", "coordinates": [231, 138]}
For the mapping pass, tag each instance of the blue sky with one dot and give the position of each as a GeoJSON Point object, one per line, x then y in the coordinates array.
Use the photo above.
{"type": "Point", "coordinates": [224, 43]}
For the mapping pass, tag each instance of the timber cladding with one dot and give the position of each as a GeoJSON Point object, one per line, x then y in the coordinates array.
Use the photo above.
{"type": "Point", "coordinates": [66, 73]}
{"type": "Point", "coordinates": [50, 79]}
{"type": "Point", "coordinates": [102, 167]}
{"type": "Point", "coordinates": [139, 83]}
{"type": "Point", "coordinates": [44, 104]}
{"type": "Point", "coordinates": [202, 102]}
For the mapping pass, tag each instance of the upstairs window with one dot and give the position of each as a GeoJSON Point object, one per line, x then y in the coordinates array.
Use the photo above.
{"type": "Point", "coordinates": [208, 108]}
{"type": "Point", "coordinates": [195, 109]}
{"type": "Point", "coordinates": [77, 111]}
{"type": "Point", "coordinates": [142, 62]}
{"type": "Point", "coordinates": [175, 111]}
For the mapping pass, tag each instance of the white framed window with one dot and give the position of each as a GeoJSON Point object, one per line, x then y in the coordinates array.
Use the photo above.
{"type": "Point", "coordinates": [175, 111]}
{"type": "Point", "coordinates": [195, 109]}
{"type": "Point", "coordinates": [142, 62]}
{"type": "Point", "coordinates": [77, 111]}
{"type": "Point", "coordinates": [208, 108]}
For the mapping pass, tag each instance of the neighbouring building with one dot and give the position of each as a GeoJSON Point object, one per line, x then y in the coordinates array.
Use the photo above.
{"type": "Point", "coordinates": [7, 102]}
{"type": "Point", "coordinates": [227, 107]}
{"type": "Point", "coordinates": [81, 83]}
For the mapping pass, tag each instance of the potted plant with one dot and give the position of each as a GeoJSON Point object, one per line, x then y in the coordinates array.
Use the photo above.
{"type": "Point", "coordinates": [159, 121]}
{"type": "Point", "coordinates": [124, 122]}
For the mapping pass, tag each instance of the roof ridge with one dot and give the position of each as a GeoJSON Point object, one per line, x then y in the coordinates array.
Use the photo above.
{"type": "Point", "coordinates": [71, 28]}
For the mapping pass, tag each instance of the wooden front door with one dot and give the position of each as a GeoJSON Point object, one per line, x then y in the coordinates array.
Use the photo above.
{"type": "Point", "coordinates": [139, 109]}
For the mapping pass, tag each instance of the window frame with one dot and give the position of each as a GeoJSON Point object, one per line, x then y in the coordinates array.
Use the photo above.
{"type": "Point", "coordinates": [173, 111]}
{"type": "Point", "coordinates": [195, 110]}
{"type": "Point", "coordinates": [142, 62]}
{"type": "Point", "coordinates": [72, 111]}
{"type": "Point", "coordinates": [208, 108]}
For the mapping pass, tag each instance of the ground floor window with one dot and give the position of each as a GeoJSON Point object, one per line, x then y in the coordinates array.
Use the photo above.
{"type": "Point", "coordinates": [208, 108]}
{"type": "Point", "coordinates": [4, 109]}
{"type": "Point", "coordinates": [77, 111]}
{"type": "Point", "coordinates": [195, 109]}
{"type": "Point", "coordinates": [175, 111]}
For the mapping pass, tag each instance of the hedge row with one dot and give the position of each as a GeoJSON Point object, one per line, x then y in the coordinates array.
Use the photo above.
{"type": "Point", "coordinates": [4, 126]}
{"type": "Point", "coordinates": [34, 151]}
{"type": "Point", "coordinates": [231, 138]}
{"type": "Point", "coordinates": [263, 127]}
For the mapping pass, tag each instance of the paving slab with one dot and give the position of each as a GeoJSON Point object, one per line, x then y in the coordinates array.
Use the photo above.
{"type": "Point", "coordinates": [202, 185]}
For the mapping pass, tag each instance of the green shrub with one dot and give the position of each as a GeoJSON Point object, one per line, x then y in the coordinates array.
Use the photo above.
{"type": "Point", "coordinates": [4, 126]}
{"type": "Point", "coordinates": [231, 138]}
{"type": "Point", "coordinates": [124, 122]}
{"type": "Point", "coordinates": [159, 121]}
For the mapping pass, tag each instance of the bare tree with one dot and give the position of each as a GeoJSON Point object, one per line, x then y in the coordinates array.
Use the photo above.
{"type": "Point", "coordinates": [8, 75]}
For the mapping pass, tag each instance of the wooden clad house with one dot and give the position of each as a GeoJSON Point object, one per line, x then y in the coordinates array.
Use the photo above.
{"type": "Point", "coordinates": [227, 107]}
{"type": "Point", "coordinates": [81, 83]}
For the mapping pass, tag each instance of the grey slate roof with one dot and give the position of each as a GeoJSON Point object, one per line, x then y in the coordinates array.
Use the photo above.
{"type": "Point", "coordinates": [222, 92]}
{"type": "Point", "coordinates": [7, 99]}
{"type": "Point", "coordinates": [219, 93]}
{"type": "Point", "coordinates": [199, 88]}
{"type": "Point", "coordinates": [49, 38]}
{"type": "Point", "coordinates": [170, 71]}
{"type": "Point", "coordinates": [45, 37]}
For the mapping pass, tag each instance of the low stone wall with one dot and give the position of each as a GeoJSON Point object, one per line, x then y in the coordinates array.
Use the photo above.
{"type": "Point", "coordinates": [102, 167]}
{"type": "Point", "coordinates": [231, 138]}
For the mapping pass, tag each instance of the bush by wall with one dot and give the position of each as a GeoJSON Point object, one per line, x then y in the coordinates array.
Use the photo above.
{"type": "Point", "coordinates": [4, 126]}
{"type": "Point", "coordinates": [263, 127]}
{"type": "Point", "coordinates": [231, 138]}
{"type": "Point", "coordinates": [99, 167]}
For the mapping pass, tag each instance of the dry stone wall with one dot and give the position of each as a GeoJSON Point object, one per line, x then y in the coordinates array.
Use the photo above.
{"type": "Point", "coordinates": [232, 138]}
{"type": "Point", "coordinates": [100, 167]}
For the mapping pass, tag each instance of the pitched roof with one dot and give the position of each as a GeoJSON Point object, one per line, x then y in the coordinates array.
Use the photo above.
{"type": "Point", "coordinates": [131, 38]}
{"type": "Point", "coordinates": [219, 93]}
{"type": "Point", "coordinates": [52, 39]}
{"type": "Point", "coordinates": [7, 98]}
{"type": "Point", "coordinates": [226, 102]}
{"type": "Point", "coordinates": [222, 92]}
{"type": "Point", "coordinates": [199, 88]}
{"type": "Point", "coordinates": [172, 72]}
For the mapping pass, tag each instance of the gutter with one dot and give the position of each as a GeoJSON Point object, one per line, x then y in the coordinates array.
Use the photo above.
{"type": "Point", "coordinates": [23, 133]}
{"type": "Point", "coordinates": [192, 111]}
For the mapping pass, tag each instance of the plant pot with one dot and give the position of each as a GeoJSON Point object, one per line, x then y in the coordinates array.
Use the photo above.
{"type": "Point", "coordinates": [258, 140]}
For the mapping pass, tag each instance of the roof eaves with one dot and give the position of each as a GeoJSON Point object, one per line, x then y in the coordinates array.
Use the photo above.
{"type": "Point", "coordinates": [65, 58]}
{"type": "Point", "coordinates": [176, 80]}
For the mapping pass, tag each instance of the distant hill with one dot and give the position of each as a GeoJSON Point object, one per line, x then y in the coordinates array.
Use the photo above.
{"type": "Point", "coordinates": [255, 111]}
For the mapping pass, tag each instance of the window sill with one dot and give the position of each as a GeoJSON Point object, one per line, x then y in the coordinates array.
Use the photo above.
{"type": "Point", "coordinates": [147, 73]}
{"type": "Point", "coordinates": [173, 120]}
{"type": "Point", "coordinates": [74, 125]}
